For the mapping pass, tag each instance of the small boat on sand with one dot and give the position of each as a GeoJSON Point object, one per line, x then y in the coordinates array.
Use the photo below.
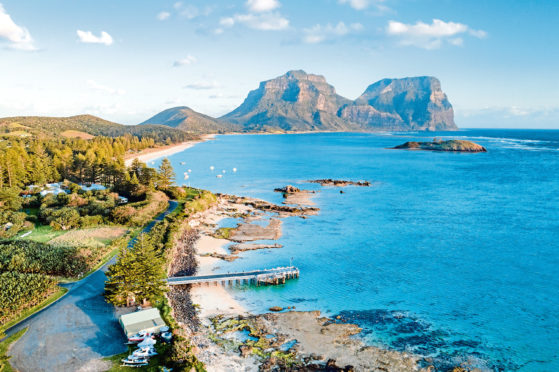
{"type": "Point", "coordinates": [139, 337]}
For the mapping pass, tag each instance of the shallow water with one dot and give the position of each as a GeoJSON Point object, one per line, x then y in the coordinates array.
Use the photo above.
{"type": "Point", "coordinates": [449, 255]}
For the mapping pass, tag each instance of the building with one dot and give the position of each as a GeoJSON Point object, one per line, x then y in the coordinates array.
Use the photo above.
{"type": "Point", "coordinates": [144, 320]}
{"type": "Point", "coordinates": [93, 187]}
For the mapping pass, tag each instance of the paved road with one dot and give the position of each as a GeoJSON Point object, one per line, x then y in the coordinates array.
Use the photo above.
{"type": "Point", "coordinates": [75, 332]}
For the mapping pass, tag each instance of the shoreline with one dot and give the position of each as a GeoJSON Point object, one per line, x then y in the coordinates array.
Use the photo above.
{"type": "Point", "coordinates": [213, 300]}
{"type": "Point", "coordinates": [154, 153]}
{"type": "Point", "coordinates": [314, 341]}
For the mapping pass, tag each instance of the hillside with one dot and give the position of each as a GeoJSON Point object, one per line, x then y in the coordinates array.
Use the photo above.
{"type": "Point", "coordinates": [85, 126]}
{"type": "Point", "coordinates": [188, 120]}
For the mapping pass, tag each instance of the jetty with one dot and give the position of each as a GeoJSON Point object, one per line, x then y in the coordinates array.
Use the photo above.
{"type": "Point", "coordinates": [277, 275]}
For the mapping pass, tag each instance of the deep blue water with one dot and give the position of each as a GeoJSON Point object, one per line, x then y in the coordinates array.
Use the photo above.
{"type": "Point", "coordinates": [453, 256]}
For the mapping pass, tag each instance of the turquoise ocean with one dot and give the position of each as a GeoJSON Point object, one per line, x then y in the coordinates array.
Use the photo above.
{"type": "Point", "coordinates": [451, 256]}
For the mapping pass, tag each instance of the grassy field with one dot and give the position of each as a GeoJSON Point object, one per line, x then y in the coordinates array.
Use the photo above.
{"type": "Point", "coordinates": [43, 233]}
{"type": "Point", "coordinates": [4, 347]}
{"type": "Point", "coordinates": [32, 310]}
{"type": "Point", "coordinates": [92, 237]}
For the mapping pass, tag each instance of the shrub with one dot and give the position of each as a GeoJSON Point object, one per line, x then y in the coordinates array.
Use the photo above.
{"type": "Point", "coordinates": [123, 214]}
{"type": "Point", "coordinates": [64, 219]}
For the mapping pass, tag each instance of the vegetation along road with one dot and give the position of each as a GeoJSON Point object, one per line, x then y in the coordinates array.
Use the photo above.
{"type": "Point", "coordinates": [77, 331]}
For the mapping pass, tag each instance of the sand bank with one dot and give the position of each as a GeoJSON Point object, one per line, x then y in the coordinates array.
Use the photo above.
{"type": "Point", "coordinates": [159, 152]}
{"type": "Point", "coordinates": [213, 299]}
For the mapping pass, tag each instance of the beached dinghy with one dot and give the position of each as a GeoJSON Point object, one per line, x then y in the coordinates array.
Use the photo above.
{"type": "Point", "coordinates": [139, 337]}
{"type": "Point", "coordinates": [147, 342]}
{"type": "Point", "coordinates": [132, 361]}
{"type": "Point", "coordinates": [145, 352]}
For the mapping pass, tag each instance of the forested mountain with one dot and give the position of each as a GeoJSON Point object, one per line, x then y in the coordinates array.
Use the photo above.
{"type": "Point", "coordinates": [83, 125]}
{"type": "Point", "coordinates": [188, 120]}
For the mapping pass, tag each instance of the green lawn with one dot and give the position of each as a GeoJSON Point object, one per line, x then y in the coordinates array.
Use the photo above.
{"type": "Point", "coordinates": [43, 233]}
{"type": "Point", "coordinates": [4, 346]}
{"type": "Point", "coordinates": [154, 362]}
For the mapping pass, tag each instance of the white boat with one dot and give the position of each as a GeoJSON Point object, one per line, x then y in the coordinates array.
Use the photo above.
{"type": "Point", "coordinates": [183, 163]}
{"type": "Point", "coordinates": [135, 361]}
{"type": "Point", "coordinates": [147, 342]}
{"type": "Point", "coordinates": [219, 176]}
{"type": "Point", "coordinates": [190, 170]}
{"type": "Point", "coordinates": [223, 171]}
{"type": "Point", "coordinates": [234, 169]}
{"type": "Point", "coordinates": [212, 167]}
{"type": "Point", "coordinates": [139, 337]}
{"type": "Point", "coordinates": [145, 352]}
{"type": "Point", "coordinates": [185, 176]}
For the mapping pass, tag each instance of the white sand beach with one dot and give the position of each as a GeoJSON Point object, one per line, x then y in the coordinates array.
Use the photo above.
{"type": "Point", "coordinates": [213, 299]}
{"type": "Point", "coordinates": [163, 151]}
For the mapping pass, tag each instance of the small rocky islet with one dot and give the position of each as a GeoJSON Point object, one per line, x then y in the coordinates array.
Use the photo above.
{"type": "Point", "coordinates": [439, 145]}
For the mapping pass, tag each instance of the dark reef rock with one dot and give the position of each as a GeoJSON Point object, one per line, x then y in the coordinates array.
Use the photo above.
{"type": "Point", "coordinates": [436, 145]}
{"type": "Point", "coordinates": [340, 183]}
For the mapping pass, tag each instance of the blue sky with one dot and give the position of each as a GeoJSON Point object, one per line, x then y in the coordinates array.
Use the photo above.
{"type": "Point", "coordinates": [127, 60]}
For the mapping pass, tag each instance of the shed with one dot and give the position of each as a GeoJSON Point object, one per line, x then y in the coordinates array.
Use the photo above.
{"type": "Point", "coordinates": [143, 320]}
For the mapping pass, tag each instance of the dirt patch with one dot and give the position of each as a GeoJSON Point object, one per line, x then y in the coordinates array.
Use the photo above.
{"type": "Point", "coordinates": [76, 134]}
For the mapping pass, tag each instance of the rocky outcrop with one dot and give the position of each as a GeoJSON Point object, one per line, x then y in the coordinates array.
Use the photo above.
{"type": "Point", "coordinates": [450, 145]}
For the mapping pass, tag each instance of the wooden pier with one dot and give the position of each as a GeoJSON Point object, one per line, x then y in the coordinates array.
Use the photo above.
{"type": "Point", "coordinates": [277, 275]}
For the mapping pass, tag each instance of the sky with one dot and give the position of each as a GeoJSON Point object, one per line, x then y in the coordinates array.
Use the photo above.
{"type": "Point", "coordinates": [125, 60]}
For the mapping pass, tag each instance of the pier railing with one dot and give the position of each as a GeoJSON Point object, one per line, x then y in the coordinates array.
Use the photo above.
{"type": "Point", "coordinates": [277, 275]}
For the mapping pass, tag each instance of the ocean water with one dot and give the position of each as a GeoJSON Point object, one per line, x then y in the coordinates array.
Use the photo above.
{"type": "Point", "coordinates": [452, 256]}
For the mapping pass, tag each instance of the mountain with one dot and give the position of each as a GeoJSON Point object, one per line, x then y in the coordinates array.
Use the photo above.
{"type": "Point", "coordinates": [85, 126]}
{"type": "Point", "coordinates": [188, 120]}
{"type": "Point", "coordinates": [296, 101]}
{"type": "Point", "coordinates": [416, 103]}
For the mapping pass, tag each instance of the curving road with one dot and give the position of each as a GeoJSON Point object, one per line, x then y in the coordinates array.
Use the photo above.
{"type": "Point", "coordinates": [75, 332]}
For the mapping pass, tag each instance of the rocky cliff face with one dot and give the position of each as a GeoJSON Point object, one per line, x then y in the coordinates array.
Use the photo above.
{"type": "Point", "coordinates": [295, 101]}
{"type": "Point", "coordinates": [416, 103]}
{"type": "Point", "coordinates": [189, 120]}
{"type": "Point", "coordinates": [300, 101]}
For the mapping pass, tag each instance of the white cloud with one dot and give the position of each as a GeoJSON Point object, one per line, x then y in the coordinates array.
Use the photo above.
{"type": "Point", "coordinates": [104, 89]}
{"type": "Point", "coordinates": [431, 36]}
{"type": "Point", "coordinates": [257, 6]}
{"type": "Point", "coordinates": [189, 59]}
{"type": "Point", "coordinates": [89, 38]}
{"type": "Point", "coordinates": [190, 11]}
{"type": "Point", "coordinates": [356, 4]}
{"type": "Point", "coordinates": [17, 36]}
{"type": "Point", "coordinates": [378, 5]}
{"type": "Point", "coordinates": [202, 85]}
{"type": "Point", "coordinates": [163, 16]}
{"type": "Point", "coordinates": [264, 21]}
{"type": "Point", "coordinates": [320, 33]}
